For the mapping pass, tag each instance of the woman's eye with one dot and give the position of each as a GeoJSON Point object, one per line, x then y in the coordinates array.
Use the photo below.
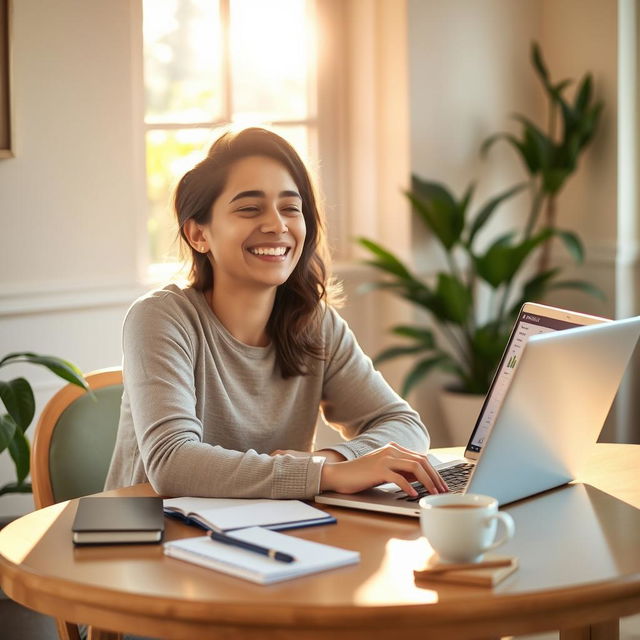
{"type": "Point", "coordinates": [292, 209]}
{"type": "Point", "coordinates": [249, 209]}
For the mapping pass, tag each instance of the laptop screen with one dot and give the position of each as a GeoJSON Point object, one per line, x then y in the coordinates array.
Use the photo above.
{"type": "Point", "coordinates": [528, 324]}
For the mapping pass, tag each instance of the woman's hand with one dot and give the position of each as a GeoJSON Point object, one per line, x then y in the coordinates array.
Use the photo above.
{"type": "Point", "coordinates": [391, 463]}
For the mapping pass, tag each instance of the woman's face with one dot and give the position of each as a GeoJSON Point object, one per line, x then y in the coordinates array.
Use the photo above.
{"type": "Point", "coordinates": [257, 229]}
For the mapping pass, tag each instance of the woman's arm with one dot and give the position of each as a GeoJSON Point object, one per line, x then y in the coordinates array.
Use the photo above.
{"type": "Point", "coordinates": [386, 441]}
{"type": "Point", "coordinates": [359, 401]}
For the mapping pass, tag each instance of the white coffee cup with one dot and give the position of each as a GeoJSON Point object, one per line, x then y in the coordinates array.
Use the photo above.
{"type": "Point", "coordinates": [461, 528]}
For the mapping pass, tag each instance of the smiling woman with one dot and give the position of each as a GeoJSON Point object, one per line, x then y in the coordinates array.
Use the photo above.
{"type": "Point", "coordinates": [223, 380]}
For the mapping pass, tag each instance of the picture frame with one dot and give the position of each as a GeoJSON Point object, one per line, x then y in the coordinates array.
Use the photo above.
{"type": "Point", "coordinates": [6, 129]}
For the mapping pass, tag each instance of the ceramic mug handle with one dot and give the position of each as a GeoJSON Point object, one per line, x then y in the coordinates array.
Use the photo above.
{"type": "Point", "coordinates": [509, 529]}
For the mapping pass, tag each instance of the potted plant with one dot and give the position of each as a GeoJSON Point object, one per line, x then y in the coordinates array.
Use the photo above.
{"type": "Point", "coordinates": [19, 402]}
{"type": "Point", "coordinates": [468, 344]}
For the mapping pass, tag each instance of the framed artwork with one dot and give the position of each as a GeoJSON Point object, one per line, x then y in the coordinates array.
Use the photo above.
{"type": "Point", "coordinates": [6, 141]}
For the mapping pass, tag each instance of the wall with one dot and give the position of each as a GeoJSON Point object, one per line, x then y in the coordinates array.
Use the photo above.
{"type": "Point", "coordinates": [580, 36]}
{"type": "Point", "coordinates": [469, 70]}
{"type": "Point", "coordinates": [70, 200]}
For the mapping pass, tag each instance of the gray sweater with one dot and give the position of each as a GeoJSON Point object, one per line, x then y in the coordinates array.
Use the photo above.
{"type": "Point", "coordinates": [201, 410]}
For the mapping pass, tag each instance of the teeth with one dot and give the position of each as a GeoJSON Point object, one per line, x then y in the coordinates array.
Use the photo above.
{"type": "Point", "coordinates": [269, 251]}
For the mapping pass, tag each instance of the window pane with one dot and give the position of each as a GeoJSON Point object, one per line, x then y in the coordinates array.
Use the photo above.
{"type": "Point", "coordinates": [170, 154]}
{"type": "Point", "coordinates": [182, 61]}
{"type": "Point", "coordinates": [271, 49]}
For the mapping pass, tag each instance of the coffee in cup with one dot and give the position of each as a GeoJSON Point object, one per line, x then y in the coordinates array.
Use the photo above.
{"type": "Point", "coordinates": [461, 528]}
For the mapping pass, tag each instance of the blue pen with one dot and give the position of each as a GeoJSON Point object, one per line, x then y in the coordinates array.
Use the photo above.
{"type": "Point", "coordinates": [280, 556]}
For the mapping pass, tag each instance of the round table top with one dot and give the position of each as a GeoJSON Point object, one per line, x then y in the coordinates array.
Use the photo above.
{"type": "Point", "coordinates": [577, 548]}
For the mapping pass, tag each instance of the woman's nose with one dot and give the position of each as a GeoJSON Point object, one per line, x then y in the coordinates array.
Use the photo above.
{"type": "Point", "coordinates": [274, 222]}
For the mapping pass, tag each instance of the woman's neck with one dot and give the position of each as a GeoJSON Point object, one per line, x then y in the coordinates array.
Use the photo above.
{"type": "Point", "coordinates": [244, 313]}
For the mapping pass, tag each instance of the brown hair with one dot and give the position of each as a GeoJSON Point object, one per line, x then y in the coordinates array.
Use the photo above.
{"type": "Point", "coordinates": [297, 311]}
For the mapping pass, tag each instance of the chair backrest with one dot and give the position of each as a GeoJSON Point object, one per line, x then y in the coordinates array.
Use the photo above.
{"type": "Point", "coordinates": [74, 439]}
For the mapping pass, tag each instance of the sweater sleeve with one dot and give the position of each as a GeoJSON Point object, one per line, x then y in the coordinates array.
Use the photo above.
{"type": "Point", "coordinates": [360, 403]}
{"type": "Point", "coordinates": [159, 380]}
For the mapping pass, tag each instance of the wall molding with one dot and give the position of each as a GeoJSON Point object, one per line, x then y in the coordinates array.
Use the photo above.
{"type": "Point", "coordinates": [43, 299]}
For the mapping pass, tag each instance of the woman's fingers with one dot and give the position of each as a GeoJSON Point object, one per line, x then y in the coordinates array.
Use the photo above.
{"type": "Point", "coordinates": [403, 483]}
{"type": "Point", "coordinates": [434, 477]}
{"type": "Point", "coordinates": [416, 470]}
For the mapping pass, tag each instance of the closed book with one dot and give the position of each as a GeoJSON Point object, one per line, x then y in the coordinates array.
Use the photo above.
{"type": "Point", "coordinates": [310, 557]}
{"type": "Point", "coordinates": [228, 514]}
{"type": "Point", "coordinates": [118, 520]}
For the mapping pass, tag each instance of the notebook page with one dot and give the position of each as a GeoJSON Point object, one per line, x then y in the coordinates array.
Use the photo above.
{"type": "Point", "coordinates": [263, 514]}
{"type": "Point", "coordinates": [310, 556]}
{"type": "Point", "coordinates": [200, 505]}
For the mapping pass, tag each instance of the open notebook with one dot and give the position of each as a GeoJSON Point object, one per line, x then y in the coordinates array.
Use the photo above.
{"type": "Point", "coordinates": [228, 514]}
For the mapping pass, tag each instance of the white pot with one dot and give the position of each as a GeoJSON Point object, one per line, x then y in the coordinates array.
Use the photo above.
{"type": "Point", "coordinates": [460, 412]}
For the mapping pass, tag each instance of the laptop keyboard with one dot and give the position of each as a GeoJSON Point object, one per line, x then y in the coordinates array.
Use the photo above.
{"type": "Point", "coordinates": [456, 478]}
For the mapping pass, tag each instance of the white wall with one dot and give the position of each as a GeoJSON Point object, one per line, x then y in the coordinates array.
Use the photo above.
{"type": "Point", "coordinates": [469, 70]}
{"type": "Point", "coordinates": [70, 200]}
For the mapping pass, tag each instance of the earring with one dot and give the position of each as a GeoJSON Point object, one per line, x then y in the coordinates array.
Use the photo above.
{"type": "Point", "coordinates": [203, 249]}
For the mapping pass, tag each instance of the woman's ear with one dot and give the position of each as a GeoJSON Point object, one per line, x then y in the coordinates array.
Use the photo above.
{"type": "Point", "coordinates": [195, 236]}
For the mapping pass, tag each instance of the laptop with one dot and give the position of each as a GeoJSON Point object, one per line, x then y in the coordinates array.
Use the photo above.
{"type": "Point", "coordinates": [544, 411]}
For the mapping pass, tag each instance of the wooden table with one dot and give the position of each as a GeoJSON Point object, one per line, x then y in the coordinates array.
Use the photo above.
{"type": "Point", "coordinates": [579, 553]}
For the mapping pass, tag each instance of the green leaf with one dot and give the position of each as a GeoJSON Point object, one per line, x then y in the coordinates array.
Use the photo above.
{"type": "Point", "coordinates": [579, 285]}
{"type": "Point", "coordinates": [525, 148]}
{"type": "Point", "coordinates": [501, 262]}
{"type": "Point", "coordinates": [535, 288]}
{"type": "Point", "coordinates": [396, 352]}
{"type": "Point", "coordinates": [554, 178]}
{"type": "Point", "coordinates": [19, 401]}
{"type": "Point", "coordinates": [62, 368]}
{"type": "Point", "coordinates": [419, 334]}
{"type": "Point", "coordinates": [466, 199]}
{"type": "Point", "coordinates": [557, 89]}
{"type": "Point", "coordinates": [583, 95]}
{"type": "Point", "coordinates": [423, 367]}
{"type": "Point", "coordinates": [488, 345]}
{"type": "Point", "coordinates": [538, 63]}
{"type": "Point", "coordinates": [539, 146]}
{"type": "Point", "coordinates": [420, 294]}
{"type": "Point", "coordinates": [20, 453]}
{"type": "Point", "coordinates": [454, 297]}
{"type": "Point", "coordinates": [14, 487]}
{"type": "Point", "coordinates": [8, 428]}
{"type": "Point", "coordinates": [386, 260]}
{"type": "Point", "coordinates": [438, 210]}
{"type": "Point", "coordinates": [572, 243]}
{"type": "Point", "coordinates": [485, 213]}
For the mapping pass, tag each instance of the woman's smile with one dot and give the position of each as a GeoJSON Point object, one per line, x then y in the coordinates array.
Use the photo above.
{"type": "Point", "coordinates": [269, 252]}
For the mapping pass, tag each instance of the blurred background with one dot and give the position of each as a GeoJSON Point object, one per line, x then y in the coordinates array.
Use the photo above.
{"type": "Point", "coordinates": [112, 101]}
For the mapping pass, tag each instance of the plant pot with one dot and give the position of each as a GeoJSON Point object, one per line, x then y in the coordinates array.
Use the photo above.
{"type": "Point", "coordinates": [460, 412]}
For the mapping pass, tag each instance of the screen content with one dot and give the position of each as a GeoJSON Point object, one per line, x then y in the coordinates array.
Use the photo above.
{"type": "Point", "coordinates": [528, 324]}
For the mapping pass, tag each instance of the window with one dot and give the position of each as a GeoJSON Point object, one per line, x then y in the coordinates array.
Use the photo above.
{"type": "Point", "coordinates": [211, 65]}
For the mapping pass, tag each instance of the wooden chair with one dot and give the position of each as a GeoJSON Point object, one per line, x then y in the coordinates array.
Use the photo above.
{"type": "Point", "coordinates": [72, 448]}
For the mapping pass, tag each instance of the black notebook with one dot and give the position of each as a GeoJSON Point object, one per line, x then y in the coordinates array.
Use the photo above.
{"type": "Point", "coordinates": [118, 520]}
